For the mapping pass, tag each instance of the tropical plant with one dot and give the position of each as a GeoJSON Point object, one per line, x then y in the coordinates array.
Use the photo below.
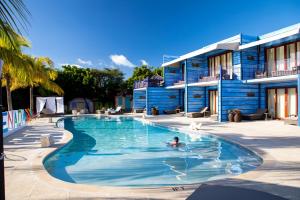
{"type": "Point", "coordinates": [98, 85]}
{"type": "Point", "coordinates": [40, 73]}
{"type": "Point", "coordinates": [13, 15]}
{"type": "Point", "coordinates": [15, 62]}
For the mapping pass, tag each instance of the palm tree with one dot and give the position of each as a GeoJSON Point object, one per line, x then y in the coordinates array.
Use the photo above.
{"type": "Point", "coordinates": [41, 73]}
{"type": "Point", "coordinates": [13, 13]}
{"type": "Point", "coordinates": [16, 64]}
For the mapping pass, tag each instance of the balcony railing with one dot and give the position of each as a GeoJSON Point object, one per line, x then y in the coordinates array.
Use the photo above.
{"type": "Point", "coordinates": [265, 74]}
{"type": "Point", "coordinates": [147, 83]}
{"type": "Point", "coordinates": [179, 82]}
{"type": "Point", "coordinates": [225, 76]}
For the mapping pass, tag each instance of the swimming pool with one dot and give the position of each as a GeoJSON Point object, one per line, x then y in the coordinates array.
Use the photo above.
{"type": "Point", "coordinates": [122, 151]}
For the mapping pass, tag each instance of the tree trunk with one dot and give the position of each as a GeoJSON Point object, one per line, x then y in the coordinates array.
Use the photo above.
{"type": "Point", "coordinates": [8, 92]}
{"type": "Point", "coordinates": [31, 98]}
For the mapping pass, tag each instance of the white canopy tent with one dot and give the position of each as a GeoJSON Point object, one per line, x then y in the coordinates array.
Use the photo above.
{"type": "Point", "coordinates": [49, 105]}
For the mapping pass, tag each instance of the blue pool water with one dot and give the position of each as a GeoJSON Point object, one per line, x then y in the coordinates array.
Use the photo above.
{"type": "Point", "coordinates": [121, 151]}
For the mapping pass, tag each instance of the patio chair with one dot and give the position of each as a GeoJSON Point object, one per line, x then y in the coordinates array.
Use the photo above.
{"type": "Point", "coordinates": [292, 120]}
{"type": "Point", "coordinates": [168, 112]}
{"type": "Point", "coordinates": [118, 111]}
{"type": "Point", "coordinates": [198, 114]}
{"type": "Point", "coordinates": [259, 115]}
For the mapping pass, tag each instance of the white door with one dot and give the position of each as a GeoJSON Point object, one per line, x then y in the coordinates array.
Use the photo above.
{"type": "Point", "coordinates": [213, 102]}
{"type": "Point", "coordinates": [280, 103]}
{"type": "Point", "coordinates": [271, 102]}
{"type": "Point", "coordinates": [292, 102]}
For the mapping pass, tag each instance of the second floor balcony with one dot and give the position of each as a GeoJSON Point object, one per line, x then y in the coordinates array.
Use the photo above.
{"type": "Point", "coordinates": [267, 70]}
{"type": "Point", "coordinates": [155, 81]}
{"type": "Point", "coordinates": [225, 76]}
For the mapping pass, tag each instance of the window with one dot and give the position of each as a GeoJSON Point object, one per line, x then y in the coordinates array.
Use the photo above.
{"type": "Point", "coordinates": [291, 56]}
{"type": "Point", "coordinates": [280, 58]}
{"type": "Point", "coordinates": [298, 53]}
{"type": "Point", "coordinates": [270, 60]}
{"type": "Point", "coordinates": [284, 57]}
{"type": "Point", "coordinates": [224, 60]}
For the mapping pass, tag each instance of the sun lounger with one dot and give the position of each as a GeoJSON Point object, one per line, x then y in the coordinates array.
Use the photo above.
{"type": "Point", "coordinates": [259, 115]}
{"type": "Point", "coordinates": [168, 112]}
{"type": "Point", "coordinates": [291, 121]}
{"type": "Point", "coordinates": [118, 111]}
{"type": "Point", "coordinates": [198, 114]}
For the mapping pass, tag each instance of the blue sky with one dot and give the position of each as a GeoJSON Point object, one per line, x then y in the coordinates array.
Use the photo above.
{"type": "Point", "coordinates": [126, 33]}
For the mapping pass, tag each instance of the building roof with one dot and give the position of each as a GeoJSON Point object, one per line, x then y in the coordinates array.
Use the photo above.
{"type": "Point", "coordinates": [276, 35]}
{"type": "Point", "coordinates": [231, 43]}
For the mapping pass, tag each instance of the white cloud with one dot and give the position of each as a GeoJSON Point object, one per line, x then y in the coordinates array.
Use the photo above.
{"type": "Point", "coordinates": [144, 62]}
{"type": "Point", "coordinates": [121, 60]}
{"type": "Point", "coordinates": [84, 62]}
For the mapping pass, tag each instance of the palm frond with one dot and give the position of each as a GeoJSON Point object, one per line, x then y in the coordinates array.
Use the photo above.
{"type": "Point", "coordinates": [13, 14]}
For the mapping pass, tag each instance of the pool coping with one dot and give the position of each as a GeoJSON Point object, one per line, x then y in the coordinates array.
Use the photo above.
{"type": "Point", "coordinates": [108, 191]}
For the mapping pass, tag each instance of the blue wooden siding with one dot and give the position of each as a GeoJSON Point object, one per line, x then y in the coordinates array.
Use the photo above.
{"type": "Point", "coordinates": [139, 99]}
{"type": "Point", "coordinates": [250, 63]}
{"type": "Point", "coordinates": [195, 71]}
{"type": "Point", "coordinates": [162, 98]}
{"type": "Point", "coordinates": [196, 99]}
{"type": "Point", "coordinates": [236, 95]}
{"type": "Point", "coordinates": [172, 75]}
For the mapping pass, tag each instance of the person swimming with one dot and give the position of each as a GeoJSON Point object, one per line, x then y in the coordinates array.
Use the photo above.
{"type": "Point", "coordinates": [176, 142]}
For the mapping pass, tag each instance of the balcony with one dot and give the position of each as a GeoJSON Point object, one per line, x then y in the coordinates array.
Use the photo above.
{"type": "Point", "coordinates": [264, 74]}
{"type": "Point", "coordinates": [225, 76]}
{"type": "Point", "coordinates": [155, 81]}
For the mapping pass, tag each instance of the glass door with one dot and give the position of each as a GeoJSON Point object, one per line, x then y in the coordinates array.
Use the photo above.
{"type": "Point", "coordinates": [292, 102]}
{"type": "Point", "coordinates": [213, 102]}
{"type": "Point", "coordinates": [271, 102]}
{"type": "Point", "coordinates": [280, 103]}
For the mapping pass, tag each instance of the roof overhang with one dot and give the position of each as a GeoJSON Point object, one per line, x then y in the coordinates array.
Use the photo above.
{"type": "Point", "coordinates": [203, 84]}
{"type": "Point", "coordinates": [272, 79]}
{"type": "Point", "coordinates": [274, 37]}
{"type": "Point", "coordinates": [217, 46]}
{"type": "Point", "coordinates": [181, 86]}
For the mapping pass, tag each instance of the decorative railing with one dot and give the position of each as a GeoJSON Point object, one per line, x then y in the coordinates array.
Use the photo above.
{"type": "Point", "coordinates": [179, 82]}
{"type": "Point", "coordinates": [225, 76]}
{"type": "Point", "coordinates": [277, 73]}
{"type": "Point", "coordinates": [168, 58]}
{"type": "Point", "coordinates": [147, 83]}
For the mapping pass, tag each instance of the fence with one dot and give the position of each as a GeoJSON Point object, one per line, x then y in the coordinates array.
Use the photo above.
{"type": "Point", "coordinates": [14, 120]}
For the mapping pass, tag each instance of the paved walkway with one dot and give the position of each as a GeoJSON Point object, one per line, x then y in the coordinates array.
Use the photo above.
{"type": "Point", "coordinates": [278, 144]}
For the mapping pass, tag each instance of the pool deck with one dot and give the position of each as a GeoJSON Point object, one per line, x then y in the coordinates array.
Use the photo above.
{"type": "Point", "coordinates": [276, 143]}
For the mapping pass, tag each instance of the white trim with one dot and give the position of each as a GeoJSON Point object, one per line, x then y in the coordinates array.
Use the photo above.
{"type": "Point", "coordinates": [272, 79]}
{"type": "Point", "coordinates": [227, 44]}
{"type": "Point", "coordinates": [206, 83]}
{"type": "Point", "coordinates": [140, 89]}
{"type": "Point", "coordinates": [181, 86]}
{"type": "Point", "coordinates": [277, 36]}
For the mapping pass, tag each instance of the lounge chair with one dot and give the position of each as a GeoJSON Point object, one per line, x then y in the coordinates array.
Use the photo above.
{"type": "Point", "coordinates": [198, 114]}
{"type": "Point", "coordinates": [118, 111]}
{"type": "Point", "coordinates": [168, 112]}
{"type": "Point", "coordinates": [293, 120]}
{"type": "Point", "coordinates": [259, 115]}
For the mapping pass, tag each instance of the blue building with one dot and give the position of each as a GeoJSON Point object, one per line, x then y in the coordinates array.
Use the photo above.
{"type": "Point", "coordinates": [242, 72]}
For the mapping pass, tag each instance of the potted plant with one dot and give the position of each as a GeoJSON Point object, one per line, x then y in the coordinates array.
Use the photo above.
{"type": "Point", "coordinates": [237, 115]}
{"type": "Point", "coordinates": [154, 111]}
{"type": "Point", "coordinates": [231, 116]}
